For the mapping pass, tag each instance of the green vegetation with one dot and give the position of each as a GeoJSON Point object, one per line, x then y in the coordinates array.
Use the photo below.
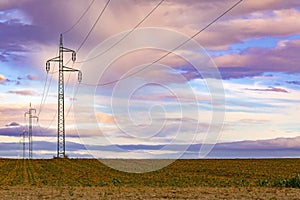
{"type": "Point", "coordinates": [293, 182]}
{"type": "Point", "coordinates": [182, 173]}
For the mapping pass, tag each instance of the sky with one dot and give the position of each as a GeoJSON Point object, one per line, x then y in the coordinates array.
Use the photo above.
{"type": "Point", "coordinates": [244, 97]}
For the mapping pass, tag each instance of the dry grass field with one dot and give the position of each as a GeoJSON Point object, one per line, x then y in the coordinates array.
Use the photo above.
{"type": "Point", "coordinates": [184, 179]}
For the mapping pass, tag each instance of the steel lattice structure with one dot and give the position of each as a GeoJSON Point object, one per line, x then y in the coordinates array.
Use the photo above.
{"type": "Point", "coordinates": [61, 134]}
{"type": "Point", "coordinates": [31, 115]}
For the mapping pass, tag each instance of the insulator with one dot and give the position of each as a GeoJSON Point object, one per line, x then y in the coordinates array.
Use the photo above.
{"type": "Point", "coordinates": [47, 66]}
{"type": "Point", "coordinates": [79, 76]}
{"type": "Point", "coordinates": [74, 56]}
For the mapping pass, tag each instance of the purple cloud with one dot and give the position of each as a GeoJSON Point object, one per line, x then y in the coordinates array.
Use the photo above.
{"type": "Point", "coordinates": [271, 144]}
{"type": "Point", "coordinates": [12, 124]}
{"type": "Point", "coordinates": [270, 89]}
{"type": "Point", "coordinates": [293, 82]}
{"type": "Point", "coordinates": [18, 38]}
{"type": "Point", "coordinates": [283, 58]}
{"type": "Point", "coordinates": [276, 144]}
{"type": "Point", "coordinates": [13, 149]}
{"type": "Point", "coordinates": [15, 129]}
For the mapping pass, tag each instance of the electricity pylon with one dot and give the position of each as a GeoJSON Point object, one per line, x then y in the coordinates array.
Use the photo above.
{"type": "Point", "coordinates": [23, 137]}
{"type": "Point", "coordinates": [30, 117]}
{"type": "Point", "coordinates": [61, 135]}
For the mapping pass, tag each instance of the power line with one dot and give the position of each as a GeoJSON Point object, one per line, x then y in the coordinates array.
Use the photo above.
{"type": "Point", "coordinates": [94, 25]}
{"type": "Point", "coordinates": [90, 31]}
{"type": "Point", "coordinates": [115, 44]}
{"type": "Point", "coordinates": [115, 81]}
{"type": "Point", "coordinates": [73, 99]}
{"type": "Point", "coordinates": [162, 57]}
{"type": "Point", "coordinates": [47, 92]}
{"type": "Point", "coordinates": [80, 18]}
{"type": "Point", "coordinates": [68, 30]}
{"type": "Point", "coordinates": [126, 35]}
{"type": "Point", "coordinates": [40, 107]}
{"type": "Point", "coordinates": [74, 94]}
{"type": "Point", "coordinates": [85, 39]}
{"type": "Point", "coordinates": [133, 29]}
{"type": "Point", "coordinates": [50, 124]}
{"type": "Point", "coordinates": [82, 43]}
{"type": "Point", "coordinates": [44, 101]}
{"type": "Point", "coordinates": [54, 116]}
{"type": "Point", "coordinates": [80, 46]}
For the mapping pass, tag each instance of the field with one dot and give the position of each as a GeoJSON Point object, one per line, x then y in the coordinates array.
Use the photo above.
{"type": "Point", "coordinates": [192, 179]}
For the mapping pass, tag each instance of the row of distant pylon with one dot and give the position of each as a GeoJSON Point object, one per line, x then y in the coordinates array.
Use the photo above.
{"type": "Point", "coordinates": [31, 113]}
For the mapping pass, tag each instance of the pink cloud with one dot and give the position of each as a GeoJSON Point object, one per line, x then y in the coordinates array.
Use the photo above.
{"type": "Point", "coordinates": [33, 78]}
{"type": "Point", "coordinates": [105, 118]}
{"type": "Point", "coordinates": [174, 97]}
{"type": "Point", "coordinates": [24, 92]}
{"type": "Point", "coordinates": [279, 23]}
{"type": "Point", "coordinates": [12, 112]}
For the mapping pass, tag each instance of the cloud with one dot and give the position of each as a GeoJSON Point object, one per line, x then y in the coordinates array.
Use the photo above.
{"type": "Point", "coordinates": [16, 130]}
{"type": "Point", "coordinates": [17, 39]}
{"type": "Point", "coordinates": [271, 89]}
{"type": "Point", "coordinates": [104, 118]}
{"type": "Point", "coordinates": [33, 78]}
{"type": "Point", "coordinates": [280, 23]}
{"type": "Point", "coordinates": [51, 146]}
{"type": "Point", "coordinates": [11, 131]}
{"type": "Point", "coordinates": [293, 82]}
{"type": "Point", "coordinates": [12, 112]}
{"type": "Point", "coordinates": [250, 20]}
{"type": "Point", "coordinates": [259, 148]}
{"type": "Point", "coordinates": [172, 97]}
{"type": "Point", "coordinates": [22, 36]}
{"type": "Point", "coordinates": [277, 143]}
{"type": "Point", "coordinates": [20, 79]}
{"type": "Point", "coordinates": [3, 79]}
{"type": "Point", "coordinates": [271, 144]}
{"type": "Point", "coordinates": [24, 92]}
{"type": "Point", "coordinates": [178, 15]}
{"type": "Point", "coordinates": [12, 124]}
{"type": "Point", "coordinates": [255, 61]}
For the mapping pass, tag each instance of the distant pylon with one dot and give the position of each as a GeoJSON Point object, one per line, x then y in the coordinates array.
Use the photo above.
{"type": "Point", "coordinates": [23, 135]}
{"type": "Point", "coordinates": [30, 117]}
{"type": "Point", "coordinates": [61, 136]}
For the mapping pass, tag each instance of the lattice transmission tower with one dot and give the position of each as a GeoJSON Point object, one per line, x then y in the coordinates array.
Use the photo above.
{"type": "Point", "coordinates": [31, 115]}
{"type": "Point", "coordinates": [61, 134]}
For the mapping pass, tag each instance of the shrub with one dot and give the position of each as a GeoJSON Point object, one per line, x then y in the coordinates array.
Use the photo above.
{"type": "Point", "coordinates": [293, 182]}
{"type": "Point", "coordinates": [116, 182]}
{"type": "Point", "coordinates": [263, 182]}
